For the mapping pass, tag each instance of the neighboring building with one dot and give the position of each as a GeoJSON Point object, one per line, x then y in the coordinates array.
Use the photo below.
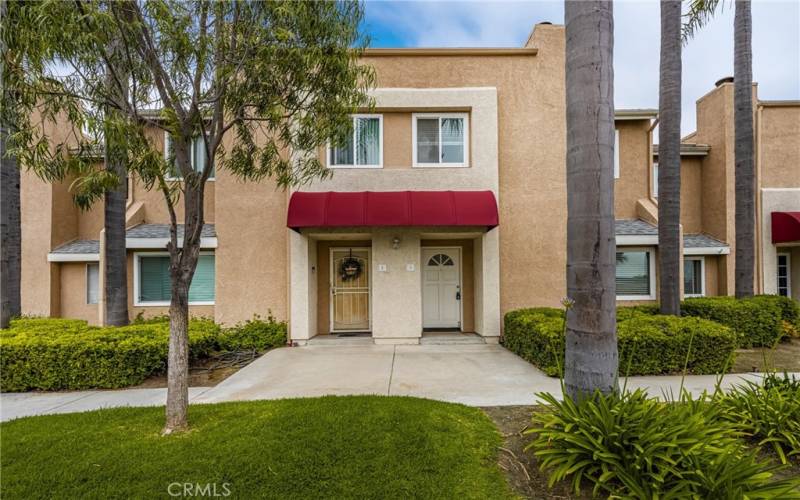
{"type": "Point", "coordinates": [708, 194]}
{"type": "Point", "coordinates": [446, 211]}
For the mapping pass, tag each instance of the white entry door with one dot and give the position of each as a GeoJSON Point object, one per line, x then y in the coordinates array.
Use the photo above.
{"type": "Point", "coordinates": [441, 287]}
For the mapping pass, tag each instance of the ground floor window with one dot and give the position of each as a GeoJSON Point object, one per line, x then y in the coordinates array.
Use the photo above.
{"type": "Point", "coordinates": [784, 275]}
{"type": "Point", "coordinates": [635, 275]}
{"type": "Point", "coordinates": [92, 282]}
{"type": "Point", "coordinates": [693, 277]}
{"type": "Point", "coordinates": [153, 285]}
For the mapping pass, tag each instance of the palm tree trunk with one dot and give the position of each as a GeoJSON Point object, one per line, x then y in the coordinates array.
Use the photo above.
{"type": "Point", "coordinates": [669, 158]}
{"type": "Point", "coordinates": [10, 235]}
{"type": "Point", "coordinates": [115, 287]}
{"type": "Point", "coordinates": [743, 150]}
{"type": "Point", "coordinates": [591, 340]}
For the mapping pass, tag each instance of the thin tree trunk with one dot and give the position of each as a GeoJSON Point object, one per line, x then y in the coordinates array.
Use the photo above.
{"type": "Point", "coordinates": [669, 159]}
{"type": "Point", "coordinates": [743, 150]}
{"type": "Point", "coordinates": [183, 263]}
{"type": "Point", "coordinates": [591, 339]}
{"type": "Point", "coordinates": [10, 235]}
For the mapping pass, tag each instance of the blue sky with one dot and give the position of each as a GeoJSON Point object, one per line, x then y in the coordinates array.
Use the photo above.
{"type": "Point", "coordinates": [708, 57]}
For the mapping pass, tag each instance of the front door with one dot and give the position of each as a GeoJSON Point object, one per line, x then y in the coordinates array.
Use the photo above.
{"type": "Point", "coordinates": [441, 287]}
{"type": "Point", "coordinates": [350, 283]}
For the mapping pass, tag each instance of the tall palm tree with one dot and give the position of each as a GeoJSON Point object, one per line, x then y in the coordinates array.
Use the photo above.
{"type": "Point", "coordinates": [700, 13]}
{"type": "Point", "coordinates": [591, 359]}
{"type": "Point", "coordinates": [743, 149]}
{"type": "Point", "coordinates": [669, 159]}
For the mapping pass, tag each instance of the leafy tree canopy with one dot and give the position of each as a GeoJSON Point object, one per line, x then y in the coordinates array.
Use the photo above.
{"type": "Point", "coordinates": [277, 78]}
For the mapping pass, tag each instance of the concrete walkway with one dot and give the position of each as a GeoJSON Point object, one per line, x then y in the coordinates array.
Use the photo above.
{"type": "Point", "coordinates": [477, 375]}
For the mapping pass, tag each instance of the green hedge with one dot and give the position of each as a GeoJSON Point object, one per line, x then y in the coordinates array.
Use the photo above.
{"type": "Point", "coordinates": [63, 354]}
{"type": "Point", "coordinates": [648, 344]}
{"type": "Point", "coordinates": [759, 321]}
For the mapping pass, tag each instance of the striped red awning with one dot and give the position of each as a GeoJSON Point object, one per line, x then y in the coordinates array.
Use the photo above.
{"type": "Point", "coordinates": [785, 227]}
{"type": "Point", "coordinates": [392, 208]}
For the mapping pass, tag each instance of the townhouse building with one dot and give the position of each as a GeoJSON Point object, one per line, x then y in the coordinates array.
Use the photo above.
{"type": "Point", "coordinates": [445, 210]}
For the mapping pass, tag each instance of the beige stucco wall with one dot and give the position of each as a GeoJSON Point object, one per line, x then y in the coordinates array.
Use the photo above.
{"type": "Point", "coordinates": [73, 293]}
{"type": "Point", "coordinates": [779, 146]}
{"type": "Point", "coordinates": [712, 264]}
{"type": "Point", "coordinates": [692, 194]}
{"type": "Point", "coordinates": [635, 163]}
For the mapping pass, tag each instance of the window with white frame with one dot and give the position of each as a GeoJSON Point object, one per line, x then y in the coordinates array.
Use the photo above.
{"type": "Point", "coordinates": [784, 275]}
{"type": "Point", "coordinates": [655, 180]}
{"type": "Point", "coordinates": [694, 284]}
{"type": "Point", "coordinates": [197, 156]}
{"type": "Point", "coordinates": [153, 284]}
{"type": "Point", "coordinates": [440, 140]}
{"type": "Point", "coordinates": [616, 153]}
{"type": "Point", "coordinates": [364, 148]}
{"type": "Point", "coordinates": [92, 283]}
{"type": "Point", "coordinates": [635, 275]}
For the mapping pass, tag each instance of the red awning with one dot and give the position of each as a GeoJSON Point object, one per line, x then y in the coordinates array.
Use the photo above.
{"type": "Point", "coordinates": [785, 227]}
{"type": "Point", "coordinates": [396, 208]}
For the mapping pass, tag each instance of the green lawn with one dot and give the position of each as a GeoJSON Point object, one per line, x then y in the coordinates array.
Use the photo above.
{"type": "Point", "coordinates": [331, 447]}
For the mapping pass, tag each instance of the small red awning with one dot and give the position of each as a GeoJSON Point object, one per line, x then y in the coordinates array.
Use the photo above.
{"type": "Point", "coordinates": [785, 227]}
{"type": "Point", "coordinates": [395, 208]}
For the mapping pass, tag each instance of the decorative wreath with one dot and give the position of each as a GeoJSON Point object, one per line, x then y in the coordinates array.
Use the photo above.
{"type": "Point", "coordinates": [350, 268]}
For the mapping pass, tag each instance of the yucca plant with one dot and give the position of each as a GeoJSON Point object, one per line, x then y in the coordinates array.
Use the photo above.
{"type": "Point", "coordinates": [629, 445]}
{"type": "Point", "coordinates": [769, 412]}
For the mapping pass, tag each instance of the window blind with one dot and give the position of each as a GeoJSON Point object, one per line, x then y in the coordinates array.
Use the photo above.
{"type": "Point", "coordinates": [633, 273]}
{"type": "Point", "coordinates": [155, 282]}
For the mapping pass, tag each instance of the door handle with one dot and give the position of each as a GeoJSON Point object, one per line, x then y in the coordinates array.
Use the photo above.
{"type": "Point", "coordinates": [458, 295]}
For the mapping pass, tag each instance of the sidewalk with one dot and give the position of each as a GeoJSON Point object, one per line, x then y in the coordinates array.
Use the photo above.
{"type": "Point", "coordinates": [476, 375]}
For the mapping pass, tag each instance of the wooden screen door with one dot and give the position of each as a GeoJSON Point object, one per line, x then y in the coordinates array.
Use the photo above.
{"type": "Point", "coordinates": [350, 304]}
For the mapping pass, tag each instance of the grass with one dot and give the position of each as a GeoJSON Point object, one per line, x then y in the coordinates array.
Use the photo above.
{"type": "Point", "coordinates": [330, 447]}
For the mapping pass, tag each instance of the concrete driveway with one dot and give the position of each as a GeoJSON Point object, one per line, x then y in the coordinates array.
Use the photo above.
{"type": "Point", "coordinates": [478, 375]}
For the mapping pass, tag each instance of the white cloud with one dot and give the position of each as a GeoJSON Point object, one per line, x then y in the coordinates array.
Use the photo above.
{"type": "Point", "coordinates": [708, 57]}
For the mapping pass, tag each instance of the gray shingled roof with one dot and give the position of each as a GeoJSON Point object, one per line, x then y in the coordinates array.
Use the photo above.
{"type": "Point", "coordinates": [79, 246]}
{"type": "Point", "coordinates": [701, 241]}
{"type": "Point", "coordinates": [162, 231]}
{"type": "Point", "coordinates": [636, 227]}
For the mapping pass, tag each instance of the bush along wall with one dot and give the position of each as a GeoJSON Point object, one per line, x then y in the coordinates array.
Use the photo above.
{"type": "Point", "coordinates": [648, 344]}
{"type": "Point", "coordinates": [759, 321]}
{"type": "Point", "coordinates": [62, 354]}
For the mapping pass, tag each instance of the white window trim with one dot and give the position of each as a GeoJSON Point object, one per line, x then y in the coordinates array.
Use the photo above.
{"type": "Point", "coordinates": [88, 265]}
{"type": "Point", "coordinates": [160, 303]}
{"type": "Point", "coordinates": [788, 272]}
{"type": "Point", "coordinates": [328, 148]}
{"type": "Point", "coordinates": [654, 170]}
{"type": "Point", "coordinates": [166, 158]}
{"type": "Point", "coordinates": [651, 259]}
{"type": "Point", "coordinates": [415, 116]}
{"type": "Point", "coordinates": [702, 276]}
{"type": "Point", "coordinates": [616, 153]}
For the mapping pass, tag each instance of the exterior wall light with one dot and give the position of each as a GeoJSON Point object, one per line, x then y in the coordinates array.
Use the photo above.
{"type": "Point", "coordinates": [395, 243]}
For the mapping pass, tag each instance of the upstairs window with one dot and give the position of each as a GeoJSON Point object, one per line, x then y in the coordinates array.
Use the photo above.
{"type": "Point", "coordinates": [655, 180]}
{"type": "Point", "coordinates": [364, 148]}
{"type": "Point", "coordinates": [197, 156]}
{"type": "Point", "coordinates": [440, 140]}
{"type": "Point", "coordinates": [616, 153]}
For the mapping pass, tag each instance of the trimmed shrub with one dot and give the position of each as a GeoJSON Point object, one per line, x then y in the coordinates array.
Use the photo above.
{"type": "Point", "coordinates": [254, 335]}
{"type": "Point", "coordinates": [759, 321]}
{"type": "Point", "coordinates": [648, 344]}
{"type": "Point", "coordinates": [56, 354]}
